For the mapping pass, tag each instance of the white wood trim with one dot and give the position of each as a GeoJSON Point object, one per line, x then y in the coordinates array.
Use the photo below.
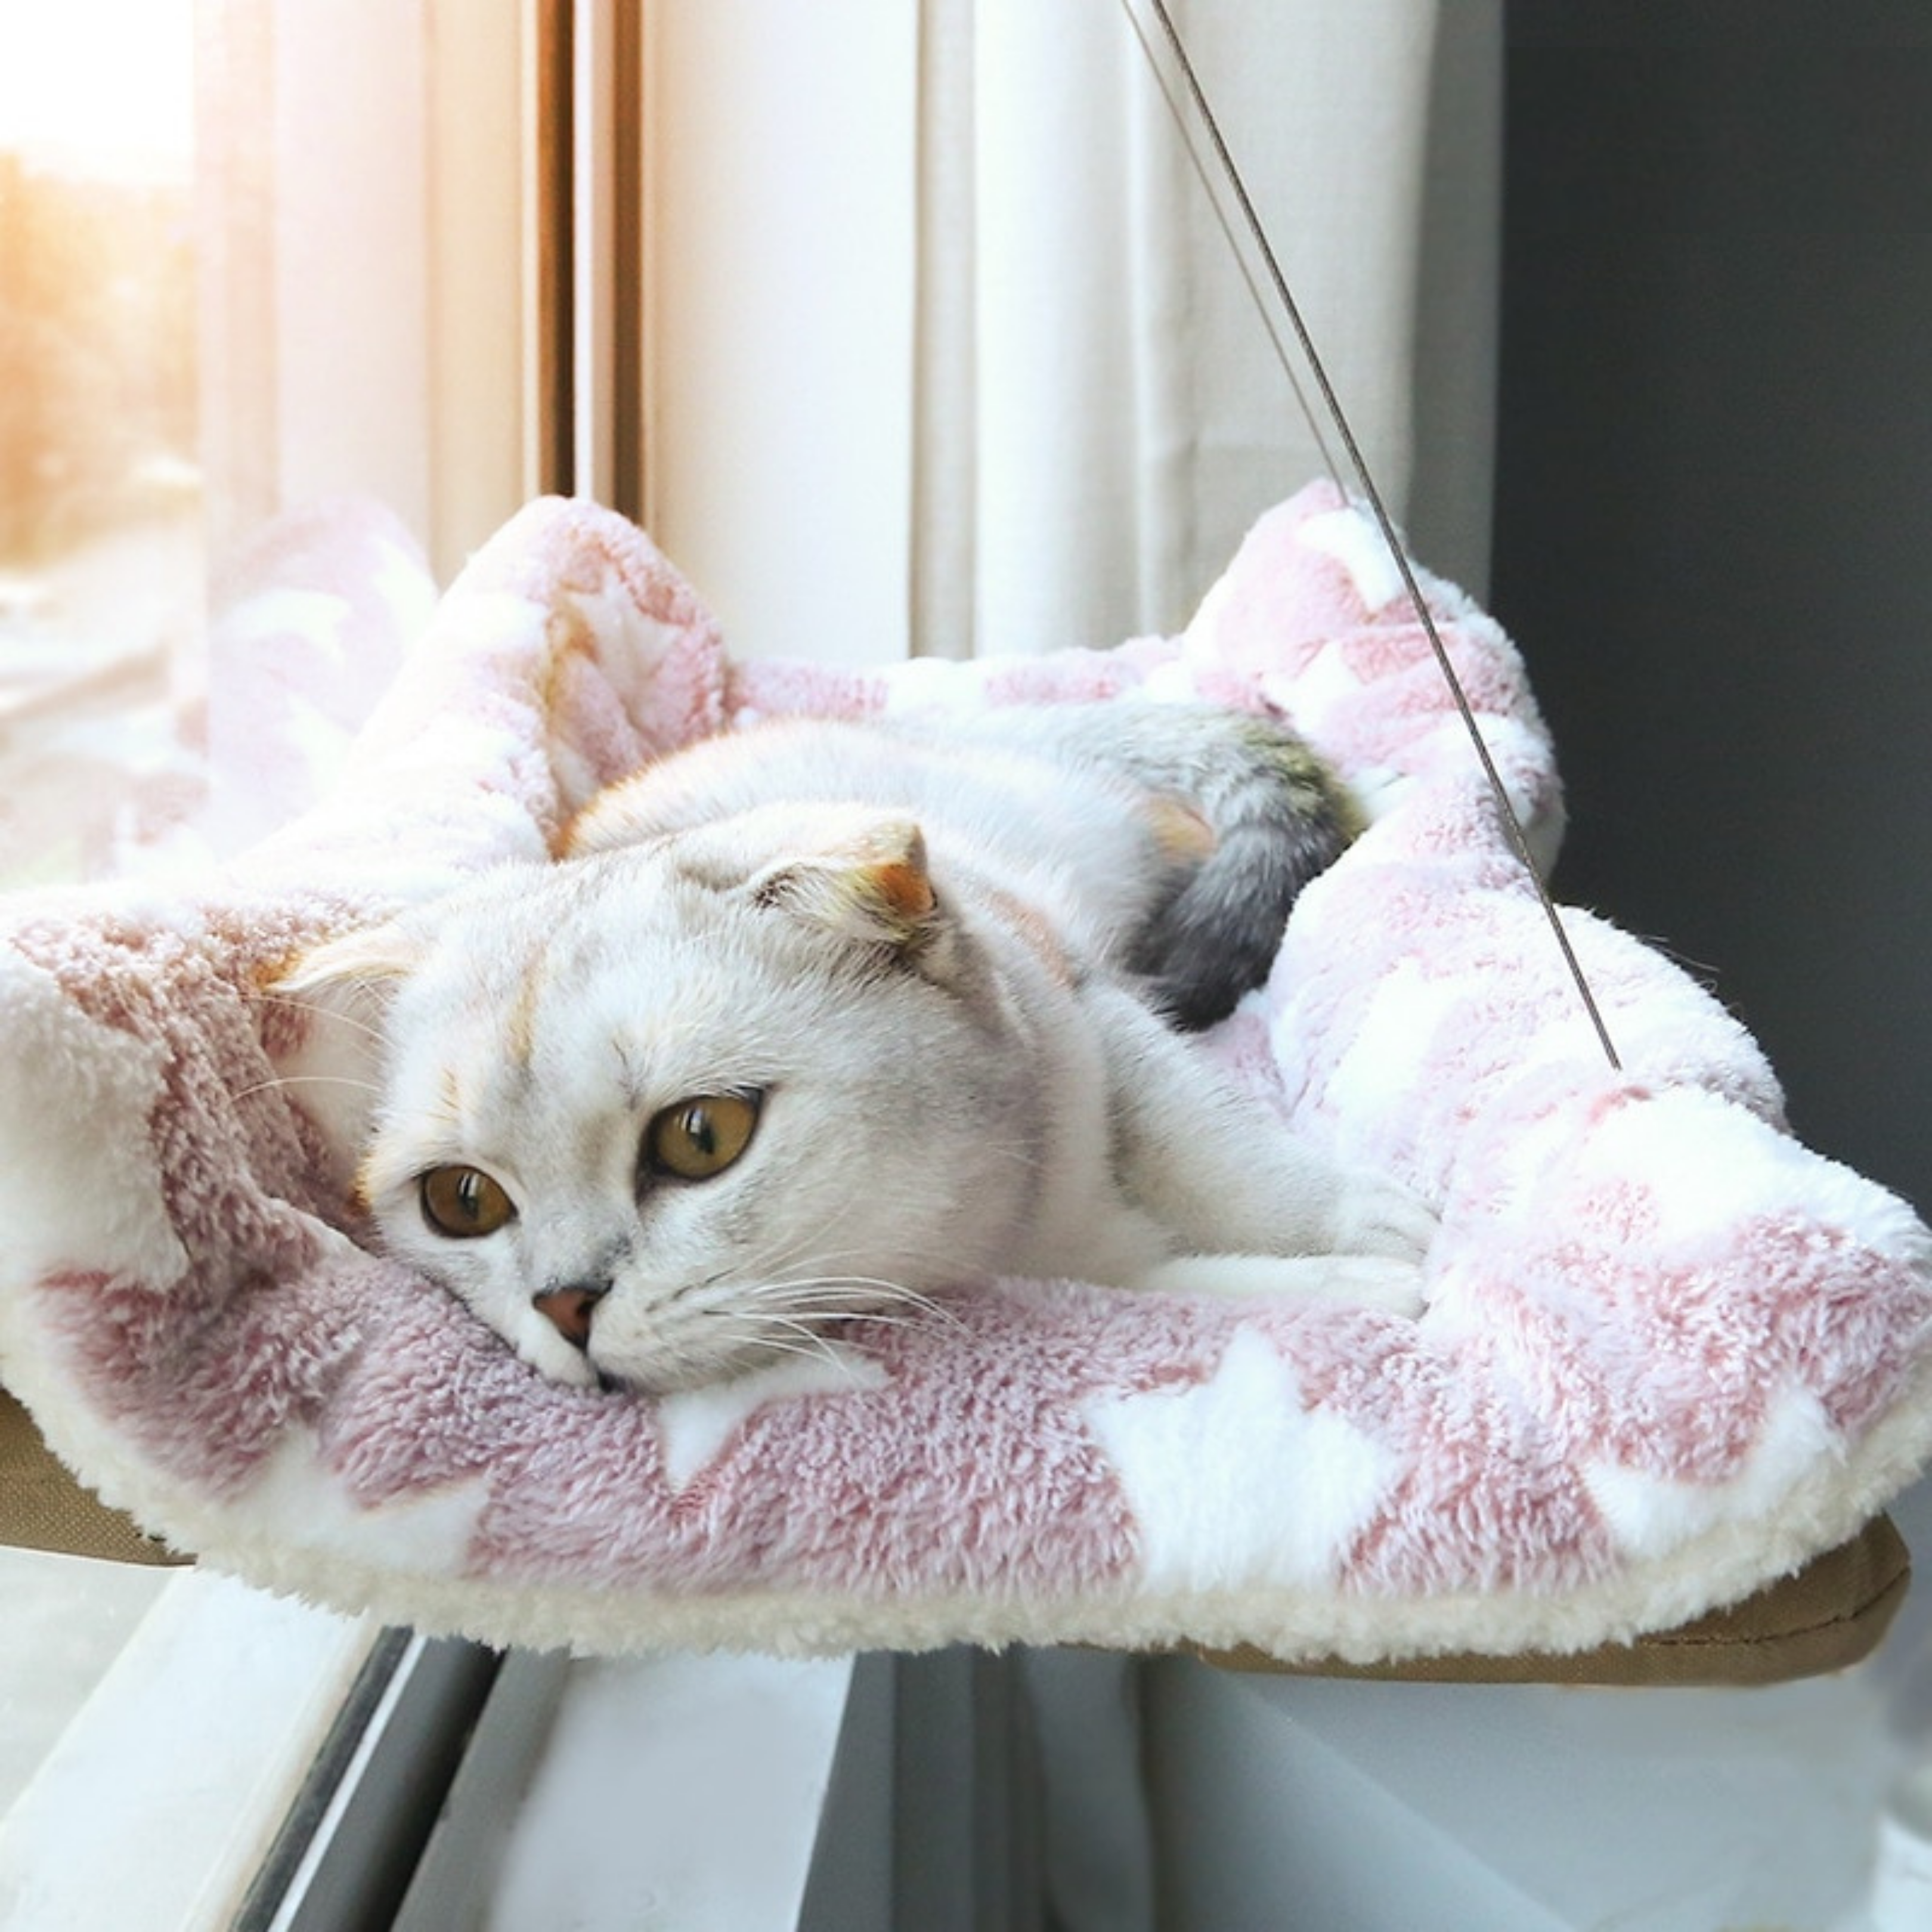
{"type": "Point", "coordinates": [480, 167]}
{"type": "Point", "coordinates": [594, 258]}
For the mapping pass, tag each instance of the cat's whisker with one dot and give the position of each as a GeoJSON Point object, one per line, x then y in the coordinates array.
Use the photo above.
{"type": "Point", "coordinates": [304, 1080]}
{"type": "Point", "coordinates": [875, 1291]}
{"type": "Point", "coordinates": [809, 1300]}
{"type": "Point", "coordinates": [877, 1318]}
{"type": "Point", "coordinates": [809, 1344]}
{"type": "Point", "coordinates": [794, 1285]}
{"type": "Point", "coordinates": [802, 1259]}
{"type": "Point", "coordinates": [261, 997]}
{"type": "Point", "coordinates": [771, 1345]}
{"type": "Point", "coordinates": [829, 1269]}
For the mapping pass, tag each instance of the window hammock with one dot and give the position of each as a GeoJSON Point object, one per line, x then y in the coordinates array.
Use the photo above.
{"type": "Point", "coordinates": [1670, 1356]}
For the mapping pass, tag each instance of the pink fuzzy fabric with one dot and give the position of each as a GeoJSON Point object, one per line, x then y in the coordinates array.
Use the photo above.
{"type": "Point", "coordinates": [1669, 1352]}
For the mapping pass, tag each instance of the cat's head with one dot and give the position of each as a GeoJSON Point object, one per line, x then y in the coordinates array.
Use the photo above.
{"type": "Point", "coordinates": [661, 1114]}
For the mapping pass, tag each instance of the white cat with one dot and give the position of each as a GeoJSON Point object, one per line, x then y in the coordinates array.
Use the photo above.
{"type": "Point", "coordinates": [814, 1020]}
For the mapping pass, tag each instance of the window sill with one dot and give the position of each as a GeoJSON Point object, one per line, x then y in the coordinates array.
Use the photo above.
{"type": "Point", "coordinates": [155, 1807]}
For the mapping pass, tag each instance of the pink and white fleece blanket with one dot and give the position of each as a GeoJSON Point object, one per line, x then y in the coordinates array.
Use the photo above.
{"type": "Point", "coordinates": [1669, 1353]}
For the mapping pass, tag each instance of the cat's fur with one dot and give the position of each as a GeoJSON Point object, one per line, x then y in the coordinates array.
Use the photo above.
{"type": "Point", "coordinates": [928, 958]}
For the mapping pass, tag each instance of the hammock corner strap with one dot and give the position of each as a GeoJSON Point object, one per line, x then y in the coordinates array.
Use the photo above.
{"type": "Point", "coordinates": [1673, 1360]}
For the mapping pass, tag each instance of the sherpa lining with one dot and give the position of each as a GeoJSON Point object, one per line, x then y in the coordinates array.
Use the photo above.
{"type": "Point", "coordinates": [1670, 1353]}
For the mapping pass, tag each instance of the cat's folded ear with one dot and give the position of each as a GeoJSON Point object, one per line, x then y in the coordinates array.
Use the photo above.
{"type": "Point", "coordinates": [333, 1065]}
{"type": "Point", "coordinates": [370, 960]}
{"type": "Point", "coordinates": [870, 884]}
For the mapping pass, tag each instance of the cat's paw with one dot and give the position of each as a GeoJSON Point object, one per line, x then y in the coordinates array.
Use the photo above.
{"type": "Point", "coordinates": [1376, 1281]}
{"type": "Point", "coordinates": [1375, 1216]}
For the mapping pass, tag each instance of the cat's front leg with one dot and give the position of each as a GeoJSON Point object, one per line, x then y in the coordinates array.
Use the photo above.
{"type": "Point", "coordinates": [1223, 1175]}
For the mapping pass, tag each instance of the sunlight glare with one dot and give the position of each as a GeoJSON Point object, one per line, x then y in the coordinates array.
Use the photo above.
{"type": "Point", "coordinates": [99, 88]}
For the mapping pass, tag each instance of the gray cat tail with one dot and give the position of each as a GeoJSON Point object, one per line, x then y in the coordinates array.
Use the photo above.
{"type": "Point", "coordinates": [1279, 818]}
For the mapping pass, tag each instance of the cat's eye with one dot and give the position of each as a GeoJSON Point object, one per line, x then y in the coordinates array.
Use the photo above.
{"type": "Point", "coordinates": [463, 1202]}
{"type": "Point", "coordinates": [693, 1139]}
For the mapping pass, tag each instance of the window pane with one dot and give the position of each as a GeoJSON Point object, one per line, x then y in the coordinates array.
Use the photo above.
{"type": "Point", "coordinates": [100, 549]}
{"type": "Point", "coordinates": [99, 404]}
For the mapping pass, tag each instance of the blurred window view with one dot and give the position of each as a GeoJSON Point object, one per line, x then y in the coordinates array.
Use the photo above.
{"type": "Point", "coordinates": [138, 448]}
{"type": "Point", "coordinates": [101, 556]}
{"type": "Point", "coordinates": [101, 560]}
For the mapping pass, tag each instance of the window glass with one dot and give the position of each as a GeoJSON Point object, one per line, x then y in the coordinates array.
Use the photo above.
{"type": "Point", "coordinates": [100, 550]}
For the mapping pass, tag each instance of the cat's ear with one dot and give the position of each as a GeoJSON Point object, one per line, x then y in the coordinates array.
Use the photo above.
{"type": "Point", "coordinates": [369, 961]}
{"type": "Point", "coordinates": [871, 886]}
{"type": "Point", "coordinates": [334, 1063]}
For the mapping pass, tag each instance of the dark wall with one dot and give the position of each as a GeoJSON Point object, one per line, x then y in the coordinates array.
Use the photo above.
{"type": "Point", "coordinates": [1713, 516]}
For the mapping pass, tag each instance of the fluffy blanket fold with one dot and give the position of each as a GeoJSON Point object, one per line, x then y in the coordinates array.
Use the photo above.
{"type": "Point", "coordinates": [1669, 1353]}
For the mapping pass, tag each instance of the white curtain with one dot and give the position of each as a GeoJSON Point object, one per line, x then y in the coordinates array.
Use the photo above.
{"type": "Point", "coordinates": [948, 353]}
{"type": "Point", "coordinates": [1100, 412]}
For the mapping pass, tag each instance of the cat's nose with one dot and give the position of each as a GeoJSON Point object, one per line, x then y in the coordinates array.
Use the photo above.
{"type": "Point", "coordinates": [567, 1309]}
